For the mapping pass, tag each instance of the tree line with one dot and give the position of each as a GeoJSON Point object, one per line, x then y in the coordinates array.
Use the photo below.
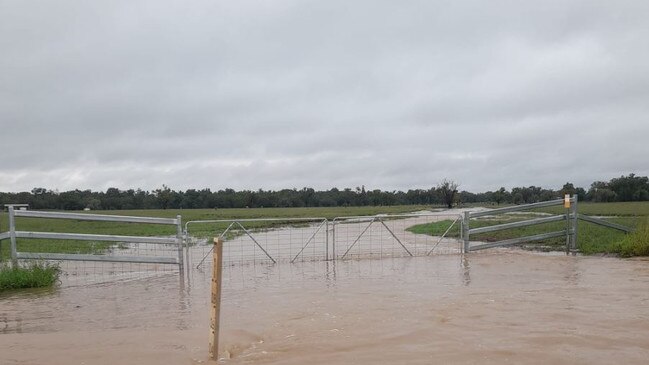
{"type": "Point", "coordinates": [624, 188]}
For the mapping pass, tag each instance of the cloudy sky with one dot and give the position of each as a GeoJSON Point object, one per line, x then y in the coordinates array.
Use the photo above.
{"type": "Point", "coordinates": [282, 94]}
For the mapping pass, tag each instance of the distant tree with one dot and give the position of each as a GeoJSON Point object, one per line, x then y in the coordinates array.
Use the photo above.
{"type": "Point", "coordinates": [448, 191]}
{"type": "Point", "coordinates": [517, 197]}
{"type": "Point", "coordinates": [499, 195]}
{"type": "Point", "coordinates": [164, 196]}
{"type": "Point", "coordinates": [92, 203]}
{"type": "Point", "coordinates": [630, 188]}
{"type": "Point", "coordinates": [600, 192]}
{"type": "Point", "coordinates": [568, 188]}
{"type": "Point", "coordinates": [581, 193]}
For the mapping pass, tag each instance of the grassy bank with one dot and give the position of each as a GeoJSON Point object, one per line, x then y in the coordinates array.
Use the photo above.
{"type": "Point", "coordinates": [137, 229]}
{"type": "Point", "coordinates": [36, 275]}
{"type": "Point", "coordinates": [636, 243]}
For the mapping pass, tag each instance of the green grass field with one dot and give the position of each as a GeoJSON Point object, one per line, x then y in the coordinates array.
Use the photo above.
{"type": "Point", "coordinates": [137, 229]}
{"type": "Point", "coordinates": [626, 209]}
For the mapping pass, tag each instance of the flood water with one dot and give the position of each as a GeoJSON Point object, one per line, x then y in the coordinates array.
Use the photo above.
{"type": "Point", "coordinates": [493, 307]}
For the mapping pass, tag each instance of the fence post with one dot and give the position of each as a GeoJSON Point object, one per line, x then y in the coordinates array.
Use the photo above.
{"type": "Point", "coordinates": [12, 237]}
{"type": "Point", "coordinates": [326, 240]}
{"type": "Point", "coordinates": [567, 205]}
{"type": "Point", "coordinates": [215, 312]}
{"type": "Point", "coordinates": [465, 227]}
{"type": "Point", "coordinates": [333, 239]}
{"type": "Point", "coordinates": [574, 213]}
{"type": "Point", "coordinates": [179, 242]}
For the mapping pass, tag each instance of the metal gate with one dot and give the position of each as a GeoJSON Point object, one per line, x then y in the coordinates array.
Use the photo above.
{"type": "Point", "coordinates": [259, 240]}
{"type": "Point", "coordinates": [126, 249]}
{"type": "Point", "coordinates": [570, 232]}
{"type": "Point", "coordinates": [309, 239]}
{"type": "Point", "coordinates": [395, 235]}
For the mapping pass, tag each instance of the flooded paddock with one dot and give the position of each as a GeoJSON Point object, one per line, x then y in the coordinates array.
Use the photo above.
{"type": "Point", "coordinates": [493, 307]}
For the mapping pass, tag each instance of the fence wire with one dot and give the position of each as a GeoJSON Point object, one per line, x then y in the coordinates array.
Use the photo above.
{"type": "Point", "coordinates": [396, 236]}
{"type": "Point", "coordinates": [248, 242]}
{"type": "Point", "coordinates": [251, 241]}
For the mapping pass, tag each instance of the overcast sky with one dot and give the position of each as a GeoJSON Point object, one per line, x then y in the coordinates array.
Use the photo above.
{"type": "Point", "coordinates": [282, 94]}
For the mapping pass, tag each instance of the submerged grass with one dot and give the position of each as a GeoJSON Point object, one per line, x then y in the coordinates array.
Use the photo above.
{"type": "Point", "coordinates": [36, 275]}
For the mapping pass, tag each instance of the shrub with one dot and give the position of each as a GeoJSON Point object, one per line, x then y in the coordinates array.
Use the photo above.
{"type": "Point", "coordinates": [33, 276]}
{"type": "Point", "coordinates": [636, 243]}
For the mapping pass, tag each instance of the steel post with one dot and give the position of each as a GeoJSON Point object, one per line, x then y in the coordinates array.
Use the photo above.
{"type": "Point", "coordinates": [326, 240]}
{"type": "Point", "coordinates": [215, 310]}
{"type": "Point", "coordinates": [333, 239]}
{"type": "Point", "coordinates": [574, 212]}
{"type": "Point", "coordinates": [179, 242]}
{"type": "Point", "coordinates": [465, 235]}
{"type": "Point", "coordinates": [12, 237]}
{"type": "Point", "coordinates": [567, 209]}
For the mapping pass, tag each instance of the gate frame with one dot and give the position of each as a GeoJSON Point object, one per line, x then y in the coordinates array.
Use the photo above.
{"type": "Point", "coordinates": [321, 220]}
{"type": "Point", "coordinates": [570, 232]}
{"type": "Point", "coordinates": [13, 234]}
{"type": "Point", "coordinates": [373, 218]}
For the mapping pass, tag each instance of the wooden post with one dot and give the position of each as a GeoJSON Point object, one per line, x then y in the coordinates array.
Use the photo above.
{"type": "Point", "coordinates": [215, 312]}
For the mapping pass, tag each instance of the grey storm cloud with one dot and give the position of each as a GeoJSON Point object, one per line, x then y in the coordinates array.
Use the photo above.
{"type": "Point", "coordinates": [282, 94]}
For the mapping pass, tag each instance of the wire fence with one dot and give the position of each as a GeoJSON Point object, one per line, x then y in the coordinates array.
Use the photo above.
{"type": "Point", "coordinates": [113, 250]}
{"type": "Point", "coordinates": [260, 240]}
{"type": "Point", "coordinates": [396, 235]}
{"type": "Point", "coordinates": [313, 239]}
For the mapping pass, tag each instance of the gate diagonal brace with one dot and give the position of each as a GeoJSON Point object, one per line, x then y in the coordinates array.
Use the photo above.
{"type": "Point", "coordinates": [358, 238]}
{"type": "Point", "coordinates": [395, 237]}
{"type": "Point", "coordinates": [212, 249]}
{"type": "Point", "coordinates": [443, 236]}
{"type": "Point", "coordinates": [309, 241]}
{"type": "Point", "coordinates": [365, 230]}
{"type": "Point", "coordinates": [257, 243]}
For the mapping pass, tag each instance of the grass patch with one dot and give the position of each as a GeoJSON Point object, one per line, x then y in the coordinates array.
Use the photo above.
{"type": "Point", "coordinates": [66, 246]}
{"type": "Point", "coordinates": [636, 243]}
{"type": "Point", "coordinates": [36, 275]}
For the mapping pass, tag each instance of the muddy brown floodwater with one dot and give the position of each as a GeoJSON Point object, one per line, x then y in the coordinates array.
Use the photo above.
{"type": "Point", "coordinates": [498, 307]}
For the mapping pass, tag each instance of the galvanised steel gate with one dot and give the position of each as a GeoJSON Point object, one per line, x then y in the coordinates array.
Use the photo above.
{"type": "Point", "coordinates": [570, 232]}
{"type": "Point", "coordinates": [394, 235]}
{"type": "Point", "coordinates": [293, 239]}
{"type": "Point", "coordinates": [260, 239]}
{"type": "Point", "coordinates": [315, 239]}
{"type": "Point", "coordinates": [129, 249]}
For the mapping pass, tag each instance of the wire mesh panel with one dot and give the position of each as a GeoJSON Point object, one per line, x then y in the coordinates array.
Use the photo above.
{"type": "Point", "coordinates": [260, 240]}
{"type": "Point", "coordinates": [395, 235]}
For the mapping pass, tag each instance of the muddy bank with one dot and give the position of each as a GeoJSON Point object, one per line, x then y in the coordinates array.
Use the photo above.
{"type": "Point", "coordinates": [495, 307]}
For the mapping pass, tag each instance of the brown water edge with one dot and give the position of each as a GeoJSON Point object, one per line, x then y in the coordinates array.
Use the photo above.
{"type": "Point", "coordinates": [503, 306]}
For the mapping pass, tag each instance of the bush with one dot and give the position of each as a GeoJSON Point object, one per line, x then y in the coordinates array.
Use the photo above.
{"type": "Point", "coordinates": [636, 243]}
{"type": "Point", "coordinates": [33, 276]}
